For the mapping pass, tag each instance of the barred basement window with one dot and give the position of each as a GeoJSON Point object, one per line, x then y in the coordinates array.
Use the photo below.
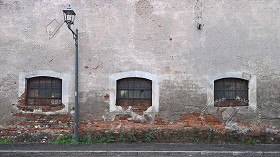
{"type": "Point", "coordinates": [231, 92]}
{"type": "Point", "coordinates": [134, 92]}
{"type": "Point", "coordinates": [44, 91]}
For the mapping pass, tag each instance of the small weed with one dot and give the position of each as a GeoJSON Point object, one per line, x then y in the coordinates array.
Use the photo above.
{"type": "Point", "coordinates": [35, 139]}
{"type": "Point", "coordinates": [123, 138]}
{"type": "Point", "coordinates": [87, 139]}
{"type": "Point", "coordinates": [132, 137]}
{"type": "Point", "coordinates": [196, 141]}
{"type": "Point", "coordinates": [209, 135]}
{"type": "Point", "coordinates": [6, 141]}
{"type": "Point", "coordinates": [148, 137]}
{"type": "Point", "coordinates": [96, 139]}
{"type": "Point", "coordinates": [107, 138]}
{"type": "Point", "coordinates": [251, 141]}
{"type": "Point", "coordinates": [64, 139]}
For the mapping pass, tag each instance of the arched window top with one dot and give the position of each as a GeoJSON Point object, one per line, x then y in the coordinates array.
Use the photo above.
{"type": "Point", "coordinates": [137, 78]}
{"type": "Point", "coordinates": [136, 74]}
{"type": "Point", "coordinates": [231, 78]}
{"type": "Point", "coordinates": [43, 77]}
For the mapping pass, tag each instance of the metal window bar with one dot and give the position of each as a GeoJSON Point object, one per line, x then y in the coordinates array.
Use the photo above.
{"type": "Point", "coordinates": [134, 92]}
{"type": "Point", "coordinates": [44, 91]}
{"type": "Point", "coordinates": [222, 86]}
{"type": "Point", "coordinates": [232, 91]}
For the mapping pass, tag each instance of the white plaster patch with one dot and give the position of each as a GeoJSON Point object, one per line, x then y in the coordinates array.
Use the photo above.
{"type": "Point", "coordinates": [160, 8]}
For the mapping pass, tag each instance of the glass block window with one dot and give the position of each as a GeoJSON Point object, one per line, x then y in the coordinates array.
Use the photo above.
{"type": "Point", "coordinates": [134, 92]}
{"type": "Point", "coordinates": [44, 91]}
{"type": "Point", "coordinates": [231, 92]}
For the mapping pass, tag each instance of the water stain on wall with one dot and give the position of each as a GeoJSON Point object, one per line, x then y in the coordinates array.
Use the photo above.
{"type": "Point", "coordinates": [144, 8]}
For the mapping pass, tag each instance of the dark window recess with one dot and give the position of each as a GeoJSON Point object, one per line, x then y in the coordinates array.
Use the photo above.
{"type": "Point", "coordinates": [44, 91]}
{"type": "Point", "coordinates": [134, 92]}
{"type": "Point", "coordinates": [231, 92]}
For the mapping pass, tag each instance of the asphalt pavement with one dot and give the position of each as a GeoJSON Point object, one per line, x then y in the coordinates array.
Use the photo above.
{"type": "Point", "coordinates": [138, 149]}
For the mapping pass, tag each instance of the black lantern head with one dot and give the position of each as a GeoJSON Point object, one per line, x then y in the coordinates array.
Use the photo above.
{"type": "Point", "coordinates": [69, 15]}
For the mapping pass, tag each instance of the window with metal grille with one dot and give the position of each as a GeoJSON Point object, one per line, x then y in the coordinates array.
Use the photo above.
{"type": "Point", "coordinates": [44, 91]}
{"type": "Point", "coordinates": [134, 92]}
{"type": "Point", "coordinates": [231, 92]}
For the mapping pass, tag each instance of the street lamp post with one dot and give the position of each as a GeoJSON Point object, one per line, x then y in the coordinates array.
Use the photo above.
{"type": "Point", "coordinates": [69, 17]}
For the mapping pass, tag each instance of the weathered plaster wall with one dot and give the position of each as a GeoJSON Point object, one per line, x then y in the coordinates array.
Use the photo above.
{"type": "Point", "coordinates": [159, 37]}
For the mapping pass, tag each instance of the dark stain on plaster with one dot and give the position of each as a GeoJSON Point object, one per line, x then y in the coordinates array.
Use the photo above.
{"type": "Point", "coordinates": [96, 67]}
{"type": "Point", "coordinates": [144, 8]}
{"type": "Point", "coordinates": [2, 55]}
{"type": "Point", "coordinates": [106, 97]}
{"type": "Point", "coordinates": [166, 69]}
{"type": "Point", "coordinates": [11, 6]}
{"type": "Point", "coordinates": [198, 11]}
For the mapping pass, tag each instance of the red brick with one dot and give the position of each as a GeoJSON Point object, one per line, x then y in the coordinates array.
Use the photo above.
{"type": "Point", "coordinates": [188, 117]}
{"type": "Point", "coordinates": [122, 117]}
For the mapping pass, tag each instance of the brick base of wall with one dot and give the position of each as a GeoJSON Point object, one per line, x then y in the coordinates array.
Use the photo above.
{"type": "Point", "coordinates": [188, 128]}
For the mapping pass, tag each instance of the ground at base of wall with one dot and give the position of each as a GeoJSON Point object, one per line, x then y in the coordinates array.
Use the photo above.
{"type": "Point", "coordinates": [193, 135]}
{"type": "Point", "coordinates": [189, 128]}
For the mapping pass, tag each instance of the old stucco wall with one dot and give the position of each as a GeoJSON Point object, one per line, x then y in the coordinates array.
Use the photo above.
{"type": "Point", "coordinates": [159, 37]}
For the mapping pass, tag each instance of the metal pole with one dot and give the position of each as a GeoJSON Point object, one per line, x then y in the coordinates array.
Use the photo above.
{"type": "Point", "coordinates": [76, 125]}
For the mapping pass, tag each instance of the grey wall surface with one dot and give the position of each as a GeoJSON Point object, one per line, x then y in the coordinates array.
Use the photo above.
{"type": "Point", "coordinates": [157, 36]}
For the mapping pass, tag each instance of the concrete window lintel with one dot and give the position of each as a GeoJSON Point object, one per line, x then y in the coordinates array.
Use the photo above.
{"type": "Point", "coordinates": [140, 74]}
{"type": "Point", "coordinates": [252, 94]}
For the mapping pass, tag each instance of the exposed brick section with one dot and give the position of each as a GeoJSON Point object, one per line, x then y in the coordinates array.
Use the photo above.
{"type": "Point", "coordinates": [55, 124]}
{"type": "Point", "coordinates": [45, 121]}
{"type": "Point", "coordinates": [22, 100]}
{"type": "Point", "coordinates": [43, 108]}
{"type": "Point", "coordinates": [24, 107]}
{"type": "Point", "coordinates": [139, 109]}
{"type": "Point", "coordinates": [36, 124]}
{"type": "Point", "coordinates": [192, 119]}
{"type": "Point", "coordinates": [210, 119]}
{"type": "Point", "coordinates": [160, 122]}
{"type": "Point", "coordinates": [122, 123]}
{"type": "Point", "coordinates": [122, 117]}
